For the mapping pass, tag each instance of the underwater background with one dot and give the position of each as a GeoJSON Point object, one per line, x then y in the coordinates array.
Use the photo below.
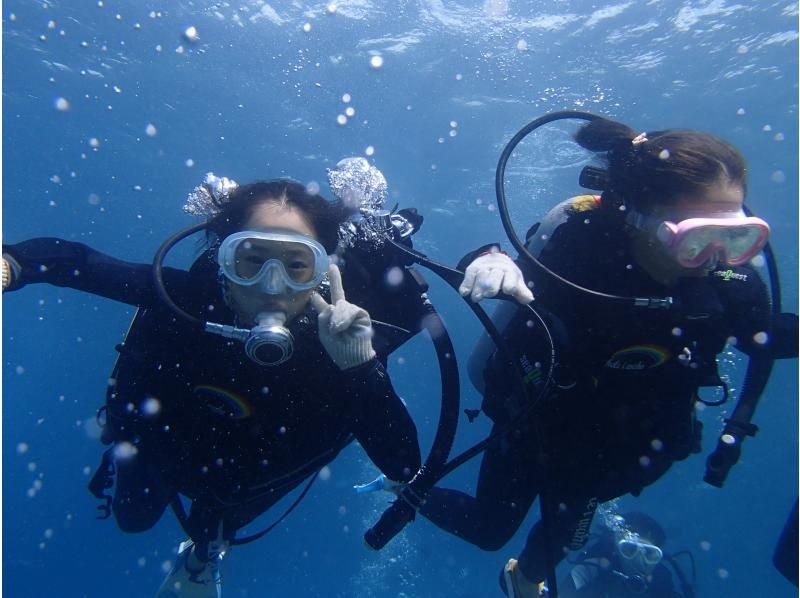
{"type": "Point", "coordinates": [112, 113]}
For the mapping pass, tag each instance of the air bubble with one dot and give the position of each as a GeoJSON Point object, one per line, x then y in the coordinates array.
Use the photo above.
{"type": "Point", "coordinates": [151, 406]}
{"type": "Point", "coordinates": [376, 62]}
{"type": "Point", "coordinates": [325, 473]}
{"type": "Point", "coordinates": [191, 35]}
{"type": "Point", "coordinates": [341, 120]}
{"type": "Point", "coordinates": [761, 338]}
{"type": "Point", "coordinates": [664, 154]}
{"type": "Point", "coordinates": [350, 112]}
{"type": "Point", "coordinates": [307, 27]}
{"type": "Point", "coordinates": [369, 151]}
{"type": "Point", "coordinates": [61, 104]}
{"type": "Point", "coordinates": [189, 163]}
{"type": "Point", "coordinates": [151, 130]}
{"type": "Point", "coordinates": [394, 277]}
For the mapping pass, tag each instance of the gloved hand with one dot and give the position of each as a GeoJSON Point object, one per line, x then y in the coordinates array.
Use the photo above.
{"type": "Point", "coordinates": [491, 273]}
{"type": "Point", "coordinates": [10, 271]}
{"type": "Point", "coordinates": [345, 330]}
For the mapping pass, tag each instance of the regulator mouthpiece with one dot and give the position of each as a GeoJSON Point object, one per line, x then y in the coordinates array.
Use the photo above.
{"type": "Point", "coordinates": [269, 343]}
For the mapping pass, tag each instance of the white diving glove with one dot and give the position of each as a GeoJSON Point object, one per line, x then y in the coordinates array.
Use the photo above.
{"type": "Point", "coordinates": [490, 273]}
{"type": "Point", "coordinates": [345, 330]}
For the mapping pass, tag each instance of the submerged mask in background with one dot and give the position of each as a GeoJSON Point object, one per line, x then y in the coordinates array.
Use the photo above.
{"type": "Point", "coordinates": [632, 548]}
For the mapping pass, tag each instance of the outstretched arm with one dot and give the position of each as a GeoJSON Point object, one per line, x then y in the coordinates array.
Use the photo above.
{"type": "Point", "coordinates": [382, 424]}
{"type": "Point", "coordinates": [74, 265]}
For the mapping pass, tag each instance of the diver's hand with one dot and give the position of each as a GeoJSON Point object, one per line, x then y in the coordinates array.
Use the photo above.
{"type": "Point", "coordinates": [491, 273]}
{"type": "Point", "coordinates": [10, 271]}
{"type": "Point", "coordinates": [345, 330]}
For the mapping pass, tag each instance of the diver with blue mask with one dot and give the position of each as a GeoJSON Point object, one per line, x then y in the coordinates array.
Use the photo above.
{"type": "Point", "coordinates": [626, 558]}
{"type": "Point", "coordinates": [258, 332]}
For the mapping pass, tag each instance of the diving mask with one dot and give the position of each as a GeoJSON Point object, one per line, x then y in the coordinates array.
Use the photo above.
{"type": "Point", "coordinates": [733, 239]}
{"type": "Point", "coordinates": [631, 548]}
{"type": "Point", "coordinates": [279, 263]}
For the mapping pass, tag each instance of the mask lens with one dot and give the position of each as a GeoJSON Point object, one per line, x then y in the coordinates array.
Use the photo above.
{"type": "Point", "coordinates": [297, 259]}
{"type": "Point", "coordinates": [741, 241]}
{"type": "Point", "coordinates": [628, 548]}
{"type": "Point", "coordinates": [652, 554]}
{"type": "Point", "coordinates": [699, 240]}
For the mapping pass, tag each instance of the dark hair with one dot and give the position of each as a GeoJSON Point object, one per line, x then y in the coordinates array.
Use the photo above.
{"type": "Point", "coordinates": [665, 165]}
{"type": "Point", "coordinates": [323, 215]}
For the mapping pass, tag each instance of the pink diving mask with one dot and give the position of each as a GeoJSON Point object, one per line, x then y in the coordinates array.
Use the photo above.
{"type": "Point", "coordinates": [732, 240]}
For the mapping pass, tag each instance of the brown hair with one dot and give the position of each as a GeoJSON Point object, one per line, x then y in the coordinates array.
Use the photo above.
{"type": "Point", "coordinates": [663, 165]}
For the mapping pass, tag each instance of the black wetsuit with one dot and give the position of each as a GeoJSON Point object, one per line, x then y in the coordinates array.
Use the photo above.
{"type": "Point", "coordinates": [205, 421]}
{"type": "Point", "coordinates": [624, 409]}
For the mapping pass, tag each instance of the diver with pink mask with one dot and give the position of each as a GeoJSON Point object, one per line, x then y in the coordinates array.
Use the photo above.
{"type": "Point", "coordinates": [640, 287]}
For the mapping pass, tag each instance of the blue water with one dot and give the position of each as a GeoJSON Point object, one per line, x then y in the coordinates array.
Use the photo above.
{"type": "Point", "coordinates": [257, 96]}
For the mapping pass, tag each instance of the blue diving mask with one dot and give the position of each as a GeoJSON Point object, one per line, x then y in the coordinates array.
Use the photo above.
{"type": "Point", "coordinates": [277, 262]}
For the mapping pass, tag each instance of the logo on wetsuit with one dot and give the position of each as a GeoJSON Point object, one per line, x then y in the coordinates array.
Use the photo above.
{"type": "Point", "coordinates": [638, 358]}
{"type": "Point", "coordinates": [729, 275]}
{"type": "Point", "coordinates": [223, 402]}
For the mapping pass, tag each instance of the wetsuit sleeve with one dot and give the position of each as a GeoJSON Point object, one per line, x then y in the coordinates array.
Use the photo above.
{"type": "Point", "coordinates": [381, 423]}
{"type": "Point", "coordinates": [76, 266]}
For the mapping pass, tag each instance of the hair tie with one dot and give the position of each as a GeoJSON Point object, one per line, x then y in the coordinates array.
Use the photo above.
{"type": "Point", "coordinates": [208, 198]}
{"type": "Point", "coordinates": [639, 139]}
